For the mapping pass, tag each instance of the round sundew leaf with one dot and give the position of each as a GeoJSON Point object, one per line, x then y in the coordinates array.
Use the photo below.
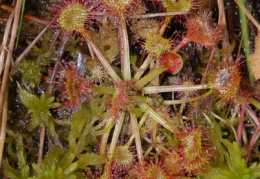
{"type": "Point", "coordinates": [171, 61]}
{"type": "Point", "coordinates": [123, 156]}
{"type": "Point", "coordinates": [177, 5]}
{"type": "Point", "coordinates": [118, 5]}
{"type": "Point", "coordinates": [202, 31]}
{"type": "Point", "coordinates": [116, 8]}
{"type": "Point", "coordinates": [73, 16]}
{"type": "Point", "coordinates": [145, 28]}
{"type": "Point", "coordinates": [157, 44]}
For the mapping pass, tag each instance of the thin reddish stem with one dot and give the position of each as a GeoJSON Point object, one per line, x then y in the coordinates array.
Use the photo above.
{"type": "Point", "coordinates": [252, 141]}
{"type": "Point", "coordinates": [240, 124]}
{"type": "Point", "coordinates": [27, 16]}
{"type": "Point", "coordinates": [181, 44]}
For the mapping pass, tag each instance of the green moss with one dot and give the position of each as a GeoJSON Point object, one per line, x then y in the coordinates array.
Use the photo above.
{"type": "Point", "coordinates": [21, 157]}
{"type": "Point", "coordinates": [84, 133]}
{"type": "Point", "coordinates": [40, 110]}
{"type": "Point", "coordinates": [39, 107]}
{"type": "Point", "coordinates": [31, 72]}
{"type": "Point", "coordinates": [33, 68]}
{"type": "Point", "coordinates": [229, 162]}
{"type": "Point", "coordinates": [234, 167]}
{"type": "Point", "coordinates": [58, 164]}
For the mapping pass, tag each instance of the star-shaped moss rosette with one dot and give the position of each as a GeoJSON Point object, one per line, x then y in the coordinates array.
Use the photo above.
{"type": "Point", "coordinates": [39, 107]}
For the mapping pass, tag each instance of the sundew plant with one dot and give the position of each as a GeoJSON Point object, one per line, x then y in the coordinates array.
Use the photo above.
{"type": "Point", "coordinates": [149, 89]}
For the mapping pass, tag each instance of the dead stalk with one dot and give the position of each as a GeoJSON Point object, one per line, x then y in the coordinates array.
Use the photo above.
{"type": "Point", "coordinates": [223, 24]}
{"type": "Point", "coordinates": [136, 133]}
{"type": "Point", "coordinates": [5, 78]}
{"type": "Point", "coordinates": [27, 16]}
{"type": "Point", "coordinates": [3, 126]}
{"type": "Point", "coordinates": [5, 38]}
{"type": "Point", "coordinates": [18, 60]}
{"type": "Point", "coordinates": [41, 146]}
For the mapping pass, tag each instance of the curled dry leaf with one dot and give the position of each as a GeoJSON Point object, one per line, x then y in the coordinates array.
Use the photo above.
{"type": "Point", "coordinates": [255, 58]}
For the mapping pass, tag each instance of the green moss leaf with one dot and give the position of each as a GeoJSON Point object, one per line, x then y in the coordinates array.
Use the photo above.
{"type": "Point", "coordinates": [85, 130]}
{"type": "Point", "coordinates": [58, 164]}
{"type": "Point", "coordinates": [23, 170]}
{"type": "Point", "coordinates": [234, 167]}
{"type": "Point", "coordinates": [90, 159]}
{"type": "Point", "coordinates": [39, 107]}
{"type": "Point", "coordinates": [31, 72]}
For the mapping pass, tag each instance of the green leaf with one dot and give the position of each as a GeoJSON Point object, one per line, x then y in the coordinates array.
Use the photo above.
{"type": "Point", "coordinates": [58, 164]}
{"type": "Point", "coordinates": [90, 159]}
{"type": "Point", "coordinates": [31, 72]}
{"type": "Point", "coordinates": [23, 169]}
{"type": "Point", "coordinates": [234, 167]}
{"type": "Point", "coordinates": [39, 107]}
